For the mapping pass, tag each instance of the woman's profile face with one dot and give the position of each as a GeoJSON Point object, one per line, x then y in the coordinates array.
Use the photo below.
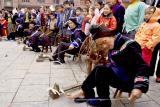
{"type": "Point", "coordinates": [97, 5]}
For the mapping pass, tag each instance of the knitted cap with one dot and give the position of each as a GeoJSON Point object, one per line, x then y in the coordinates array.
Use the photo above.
{"type": "Point", "coordinates": [74, 20]}
{"type": "Point", "coordinates": [99, 31]}
{"type": "Point", "coordinates": [19, 21]}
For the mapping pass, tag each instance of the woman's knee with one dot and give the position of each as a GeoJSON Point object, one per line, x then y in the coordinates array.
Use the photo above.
{"type": "Point", "coordinates": [102, 71]}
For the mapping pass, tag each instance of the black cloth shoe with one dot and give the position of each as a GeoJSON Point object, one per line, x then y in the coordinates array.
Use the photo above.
{"type": "Point", "coordinates": [96, 102]}
{"type": "Point", "coordinates": [80, 100]}
{"type": "Point", "coordinates": [59, 61]}
{"type": "Point", "coordinates": [37, 50]}
{"type": "Point", "coordinates": [53, 58]}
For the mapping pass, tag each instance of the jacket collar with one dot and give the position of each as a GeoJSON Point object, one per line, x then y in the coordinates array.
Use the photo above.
{"type": "Point", "coordinates": [107, 16]}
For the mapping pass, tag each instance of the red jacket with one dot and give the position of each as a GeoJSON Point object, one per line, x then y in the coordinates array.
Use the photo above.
{"type": "Point", "coordinates": [4, 24]}
{"type": "Point", "coordinates": [86, 19]}
{"type": "Point", "coordinates": [109, 21]}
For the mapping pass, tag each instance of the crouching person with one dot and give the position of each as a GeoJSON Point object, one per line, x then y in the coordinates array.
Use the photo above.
{"type": "Point", "coordinates": [32, 37]}
{"type": "Point", "coordinates": [126, 70]}
{"type": "Point", "coordinates": [77, 37]}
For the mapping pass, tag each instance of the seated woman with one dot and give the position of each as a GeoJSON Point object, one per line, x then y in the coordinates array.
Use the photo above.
{"type": "Point", "coordinates": [77, 37]}
{"type": "Point", "coordinates": [126, 70]}
{"type": "Point", "coordinates": [148, 36]}
{"type": "Point", "coordinates": [32, 36]}
{"type": "Point", "coordinates": [18, 32]}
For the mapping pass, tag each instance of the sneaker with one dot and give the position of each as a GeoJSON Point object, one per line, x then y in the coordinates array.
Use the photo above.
{"type": "Point", "coordinates": [158, 79]}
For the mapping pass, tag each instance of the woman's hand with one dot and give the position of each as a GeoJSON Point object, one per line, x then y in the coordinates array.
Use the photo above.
{"type": "Point", "coordinates": [71, 47]}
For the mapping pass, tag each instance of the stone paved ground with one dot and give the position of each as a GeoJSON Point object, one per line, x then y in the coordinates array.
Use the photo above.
{"type": "Point", "coordinates": [24, 82]}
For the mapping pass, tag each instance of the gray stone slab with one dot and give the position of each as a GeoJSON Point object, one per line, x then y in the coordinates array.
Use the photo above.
{"type": "Point", "coordinates": [41, 64]}
{"type": "Point", "coordinates": [62, 73]}
{"type": "Point", "coordinates": [5, 99]}
{"type": "Point", "coordinates": [30, 104]}
{"type": "Point", "coordinates": [153, 94]}
{"type": "Point", "coordinates": [9, 85]}
{"type": "Point", "coordinates": [144, 98]}
{"type": "Point", "coordinates": [36, 79]}
{"type": "Point", "coordinates": [36, 71]}
{"type": "Point", "coordinates": [144, 104]}
{"type": "Point", "coordinates": [157, 100]}
{"type": "Point", "coordinates": [64, 102]}
{"type": "Point", "coordinates": [36, 93]}
{"type": "Point", "coordinates": [63, 82]}
{"type": "Point", "coordinates": [13, 74]}
{"type": "Point", "coordinates": [80, 75]}
{"type": "Point", "coordinates": [5, 104]}
{"type": "Point", "coordinates": [39, 70]}
{"type": "Point", "coordinates": [20, 67]}
{"type": "Point", "coordinates": [55, 66]}
{"type": "Point", "coordinates": [117, 104]}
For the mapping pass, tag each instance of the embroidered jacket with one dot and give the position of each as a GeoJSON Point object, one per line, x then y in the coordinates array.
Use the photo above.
{"type": "Point", "coordinates": [129, 57]}
{"type": "Point", "coordinates": [77, 37]}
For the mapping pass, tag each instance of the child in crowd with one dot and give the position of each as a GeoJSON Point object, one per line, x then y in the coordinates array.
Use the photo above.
{"type": "Point", "coordinates": [134, 17]}
{"type": "Point", "coordinates": [33, 17]}
{"type": "Point", "coordinates": [53, 27]}
{"type": "Point", "coordinates": [107, 19]}
{"type": "Point", "coordinates": [68, 11]}
{"type": "Point", "coordinates": [79, 16]}
{"type": "Point", "coordinates": [27, 17]}
{"type": "Point", "coordinates": [87, 21]}
{"type": "Point", "coordinates": [10, 27]}
{"type": "Point", "coordinates": [85, 14]}
{"type": "Point", "coordinates": [118, 11]}
{"type": "Point", "coordinates": [148, 35]}
{"type": "Point", "coordinates": [88, 3]}
{"type": "Point", "coordinates": [60, 16]}
{"type": "Point", "coordinates": [99, 4]}
{"type": "Point", "coordinates": [4, 26]}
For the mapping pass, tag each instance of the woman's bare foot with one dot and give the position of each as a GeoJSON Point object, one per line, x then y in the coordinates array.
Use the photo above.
{"type": "Point", "coordinates": [79, 94]}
